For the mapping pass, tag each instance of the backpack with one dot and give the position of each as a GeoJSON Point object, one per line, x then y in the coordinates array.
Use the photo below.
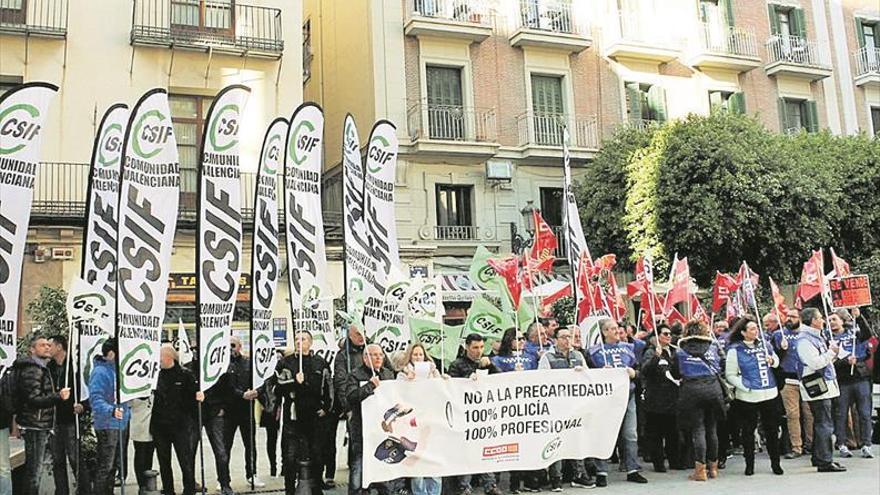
{"type": "Point", "coordinates": [9, 405]}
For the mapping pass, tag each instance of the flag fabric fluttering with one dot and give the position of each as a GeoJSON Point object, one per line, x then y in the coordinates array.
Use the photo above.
{"type": "Point", "coordinates": [508, 269]}
{"type": "Point", "coordinates": [812, 277]}
{"type": "Point", "coordinates": [542, 254]}
{"type": "Point", "coordinates": [679, 283]}
{"type": "Point", "coordinates": [778, 301]}
{"type": "Point", "coordinates": [697, 311]}
{"type": "Point", "coordinates": [725, 285]}
{"type": "Point", "coordinates": [841, 267]}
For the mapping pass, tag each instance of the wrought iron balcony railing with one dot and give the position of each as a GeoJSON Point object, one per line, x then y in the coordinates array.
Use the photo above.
{"type": "Point", "coordinates": [208, 24]}
{"type": "Point", "coordinates": [795, 50]}
{"type": "Point", "coordinates": [469, 11]}
{"type": "Point", "coordinates": [545, 129]}
{"type": "Point", "coordinates": [555, 16]}
{"type": "Point", "coordinates": [451, 123]}
{"type": "Point", "coordinates": [34, 17]}
{"type": "Point", "coordinates": [867, 61]}
{"type": "Point", "coordinates": [719, 39]}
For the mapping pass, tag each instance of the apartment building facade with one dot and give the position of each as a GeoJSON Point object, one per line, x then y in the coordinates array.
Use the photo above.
{"type": "Point", "coordinates": [480, 91]}
{"type": "Point", "coordinates": [102, 52]}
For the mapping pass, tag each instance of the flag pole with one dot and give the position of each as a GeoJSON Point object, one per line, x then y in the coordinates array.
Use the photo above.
{"type": "Point", "coordinates": [748, 276]}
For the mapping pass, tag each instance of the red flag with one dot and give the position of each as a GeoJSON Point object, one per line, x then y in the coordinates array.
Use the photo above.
{"type": "Point", "coordinates": [639, 287]}
{"type": "Point", "coordinates": [613, 297]}
{"type": "Point", "coordinates": [811, 279]}
{"type": "Point", "coordinates": [725, 285]}
{"type": "Point", "coordinates": [679, 284]}
{"type": "Point", "coordinates": [778, 301]}
{"type": "Point", "coordinates": [508, 268]}
{"type": "Point", "coordinates": [552, 298]}
{"type": "Point", "coordinates": [591, 296]}
{"type": "Point", "coordinates": [544, 246]}
{"type": "Point", "coordinates": [697, 311]}
{"type": "Point", "coordinates": [675, 316]}
{"type": "Point", "coordinates": [841, 267]}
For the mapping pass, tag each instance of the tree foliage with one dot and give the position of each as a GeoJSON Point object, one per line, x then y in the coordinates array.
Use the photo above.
{"type": "Point", "coordinates": [48, 312]}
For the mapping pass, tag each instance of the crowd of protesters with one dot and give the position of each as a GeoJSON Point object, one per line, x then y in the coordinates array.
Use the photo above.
{"type": "Point", "coordinates": [698, 395]}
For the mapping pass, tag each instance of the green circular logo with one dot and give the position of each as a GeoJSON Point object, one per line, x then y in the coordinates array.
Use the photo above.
{"type": "Point", "coordinates": [111, 142]}
{"type": "Point", "coordinates": [270, 162]}
{"type": "Point", "coordinates": [209, 348]}
{"type": "Point", "coordinates": [228, 127]}
{"type": "Point", "coordinates": [142, 352]}
{"type": "Point", "coordinates": [21, 129]}
{"type": "Point", "coordinates": [150, 134]}
{"type": "Point", "coordinates": [299, 138]}
{"type": "Point", "coordinates": [263, 357]}
{"type": "Point", "coordinates": [376, 152]}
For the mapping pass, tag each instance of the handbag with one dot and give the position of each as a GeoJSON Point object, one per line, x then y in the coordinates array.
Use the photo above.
{"type": "Point", "coordinates": [726, 389]}
{"type": "Point", "coordinates": [814, 384]}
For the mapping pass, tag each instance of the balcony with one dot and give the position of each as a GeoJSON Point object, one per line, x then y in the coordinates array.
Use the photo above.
{"type": "Point", "coordinates": [61, 188]}
{"type": "Point", "coordinates": [34, 17]}
{"type": "Point", "coordinates": [794, 56]}
{"type": "Point", "coordinates": [867, 66]}
{"type": "Point", "coordinates": [723, 47]}
{"type": "Point", "coordinates": [550, 24]}
{"type": "Point", "coordinates": [540, 135]}
{"type": "Point", "coordinates": [220, 27]}
{"type": "Point", "coordinates": [464, 19]}
{"type": "Point", "coordinates": [452, 131]}
{"type": "Point", "coordinates": [457, 239]}
{"type": "Point", "coordinates": [636, 35]}
{"type": "Point", "coordinates": [561, 242]}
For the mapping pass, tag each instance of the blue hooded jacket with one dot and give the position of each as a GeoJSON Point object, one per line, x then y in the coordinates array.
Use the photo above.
{"type": "Point", "coordinates": [102, 395]}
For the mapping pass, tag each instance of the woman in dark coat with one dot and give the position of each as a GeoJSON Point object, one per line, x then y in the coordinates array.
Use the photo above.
{"type": "Point", "coordinates": [660, 373]}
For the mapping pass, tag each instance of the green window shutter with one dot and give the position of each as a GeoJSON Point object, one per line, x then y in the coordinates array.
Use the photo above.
{"type": "Point", "coordinates": [774, 20]}
{"type": "Point", "coordinates": [860, 32]}
{"type": "Point", "coordinates": [444, 86]}
{"type": "Point", "coordinates": [657, 103]}
{"type": "Point", "coordinates": [633, 101]}
{"type": "Point", "coordinates": [737, 103]}
{"type": "Point", "coordinates": [728, 12]}
{"type": "Point", "coordinates": [547, 95]}
{"type": "Point", "coordinates": [811, 116]}
{"type": "Point", "coordinates": [800, 23]}
{"type": "Point", "coordinates": [783, 121]}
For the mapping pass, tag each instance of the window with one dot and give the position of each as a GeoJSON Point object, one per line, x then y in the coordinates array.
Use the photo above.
{"type": "Point", "coordinates": [868, 57]}
{"type": "Point", "coordinates": [202, 15]}
{"type": "Point", "coordinates": [188, 114]}
{"type": "Point", "coordinates": [875, 120]}
{"type": "Point", "coordinates": [8, 82]}
{"type": "Point", "coordinates": [787, 22]}
{"type": "Point", "coordinates": [551, 205]}
{"type": "Point", "coordinates": [727, 101]}
{"type": "Point", "coordinates": [307, 50]}
{"type": "Point", "coordinates": [645, 103]}
{"type": "Point", "coordinates": [446, 119]}
{"type": "Point", "coordinates": [796, 114]}
{"type": "Point", "coordinates": [548, 108]}
{"type": "Point", "coordinates": [454, 214]}
{"type": "Point", "coordinates": [13, 11]}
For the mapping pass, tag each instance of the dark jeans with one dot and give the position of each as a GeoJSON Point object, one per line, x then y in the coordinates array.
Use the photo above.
{"type": "Point", "coordinates": [272, 447]}
{"type": "Point", "coordinates": [36, 443]}
{"type": "Point", "coordinates": [241, 421]}
{"type": "Point", "coordinates": [303, 443]}
{"type": "Point", "coordinates": [215, 426]}
{"type": "Point", "coordinates": [704, 435]}
{"type": "Point", "coordinates": [662, 433]}
{"type": "Point", "coordinates": [462, 483]}
{"type": "Point", "coordinates": [858, 393]}
{"type": "Point", "coordinates": [65, 448]}
{"type": "Point", "coordinates": [108, 445]}
{"type": "Point", "coordinates": [143, 461]}
{"type": "Point", "coordinates": [179, 438]}
{"type": "Point", "coordinates": [769, 412]}
{"type": "Point", "coordinates": [823, 427]}
{"type": "Point", "coordinates": [355, 462]}
{"type": "Point", "coordinates": [327, 437]}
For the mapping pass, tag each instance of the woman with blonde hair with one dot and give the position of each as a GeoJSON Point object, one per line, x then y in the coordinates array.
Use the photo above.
{"type": "Point", "coordinates": [417, 353]}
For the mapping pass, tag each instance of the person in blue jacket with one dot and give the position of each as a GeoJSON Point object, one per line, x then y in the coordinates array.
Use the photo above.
{"type": "Point", "coordinates": [613, 353]}
{"type": "Point", "coordinates": [110, 418]}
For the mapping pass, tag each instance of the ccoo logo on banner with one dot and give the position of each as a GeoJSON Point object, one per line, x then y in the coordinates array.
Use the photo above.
{"type": "Point", "coordinates": [220, 232]}
{"type": "Point", "coordinates": [264, 254]}
{"type": "Point", "coordinates": [148, 201]}
{"type": "Point", "coordinates": [22, 116]}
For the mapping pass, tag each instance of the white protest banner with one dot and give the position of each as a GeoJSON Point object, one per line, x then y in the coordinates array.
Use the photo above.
{"type": "Point", "coordinates": [90, 315]}
{"type": "Point", "coordinates": [360, 268]}
{"type": "Point", "coordinates": [218, 246]}
{"type": "Point", "coordinates": [576, 243]}
{"type": "Point", "coordinates": [148, 200]}
{"type": "Point", "coordinates": [181, 344]}
{"type": "Point", "coordinates": [22, 114]}
{"type": "Point", "coordinates": [385, 324]}
{"type": "Point", "coordinates": [311, 304]}
{"type": "Point", "coordinates": [503, 422]}
{"type": "Point", "coordinates": [264, 254]}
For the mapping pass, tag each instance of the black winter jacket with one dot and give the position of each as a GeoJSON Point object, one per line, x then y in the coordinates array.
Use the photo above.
{"type": "Point", "coordinates": [239, 375]}
{"type": "Point", "coordinates": [64, 414]}
{"type": "Point", "coordinates": [357, 388]}
{"type": "Point", "coordinates": [349, 358]}
{"type": "Point", "coordinates": [464, 367]}
{"type": "Point", "coordinates": [661, 393]}
{"type": "Point", "coordinates": [174, 399]}
{"type": "Point", "coordinates": [36, 391]}
{"type": "Point", "coordinates": [308, 398]}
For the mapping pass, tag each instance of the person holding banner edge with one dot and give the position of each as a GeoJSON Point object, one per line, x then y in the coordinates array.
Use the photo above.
{"type": "Point", "coordinates": [241, 404]}
{"type": "Point", "coordinates": [65, 441]}
{"type": "Point", "coordinates": [110, 417]}
{"type": "Point", "coordinates": [854, 379]}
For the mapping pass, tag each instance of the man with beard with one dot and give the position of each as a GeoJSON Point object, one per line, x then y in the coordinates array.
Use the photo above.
{"type": "Point", "coordinates": [784, 343]}
{"type": "Point", "coordinates": [305, 385]}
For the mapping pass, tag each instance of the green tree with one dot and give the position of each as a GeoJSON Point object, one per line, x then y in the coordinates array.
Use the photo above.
{"type": "Point", "coordinates": [47, 311]}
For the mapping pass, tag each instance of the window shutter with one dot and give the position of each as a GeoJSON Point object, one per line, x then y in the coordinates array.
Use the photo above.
{"type": "Point", "coordinates": [860, 32]}
{"type": "Point", "coordinates": [657, 101]}
{"type": "Point", "coordinates": [728, 12]}
{"type": "Point", "coordinates": [800, 23]}
{"type": "Point", "coordinates": [812, 116]}
{"type": "Point", "coordinates": [737, 103]}
{"type": "Point", "coordinates": [633, 101]}
{"type": "Point", "coordinates": [783, 121]}
{"type": "Point", "coordinates": [774, 21]}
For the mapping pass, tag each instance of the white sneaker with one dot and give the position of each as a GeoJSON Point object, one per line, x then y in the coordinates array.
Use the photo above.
{"type": "Point", "coordinates": [258, 483]}
{"type": "Point", "coordinates": [844, 452]}
{"type": "Point", "coordinates": [866, 452]}
{"type": "Point", "coordinates": [219, 488]}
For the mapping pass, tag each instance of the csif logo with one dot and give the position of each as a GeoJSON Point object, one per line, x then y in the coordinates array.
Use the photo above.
{"type": "Point", "coordinates": [273, 155]}
{"type": "Point", "coordinates": [302, 142]}
{"type": "Point", "coordinates": [430, 337]}
{"type": "Point", "coordinates": [151, 133]}
{"type": "Point", "coordinates": [486, 274]}
{"type": "Point", "coordinates": [111, 142]}
{"type": "Point", "coordinates": [216, 356]}
{"type": "Point", "coordinates": [350, 137]}
{"type": "Point", "coordinates": [487, 322]}
{"type": "Point", "coordinates": [262, 354]}
{"type": "Point", "coordinates": [551, 449]}
{"type": "Point", "coordinates": [223, 132]}
{"type": "Point", "coordinates": [379, 154]}
{"type": "Point", "coordinates": [139, 365]}
{"type": "Point", "coordinates": [18, 127]}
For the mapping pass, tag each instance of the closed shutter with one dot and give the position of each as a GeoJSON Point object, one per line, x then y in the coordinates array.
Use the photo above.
{"type": "Point", "coordinates": [737, 103]}
{"type": "Point", "coordinates": [800, 23]}
{"type": "Point", "coordinates": [774, 20]}
{"type": "Point", "coordinates": [860, 32]}
{"type": "Point", "coordinates": [657, 103]}
{"type": "Point", "coordinates": [633, 102]}
{"type": "Point", "coordinates": [783, 121]}
{"type": "Point", "coordinates": [548, 109]}
{"type": "Point", "coordinates": [811, 116]}
{"type": "Point", "coordinates": [728, 12]}
{"type": "Point", "coordinates": [445, 115]}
